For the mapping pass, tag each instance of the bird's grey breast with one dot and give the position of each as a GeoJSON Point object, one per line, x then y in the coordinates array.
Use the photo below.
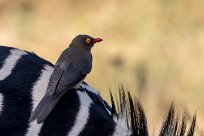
{"type": "Point", "coordinates": [85, 64]}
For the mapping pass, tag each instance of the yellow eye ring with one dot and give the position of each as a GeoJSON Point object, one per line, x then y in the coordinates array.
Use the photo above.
{"type": "Point", "coordinates": [88, 40]}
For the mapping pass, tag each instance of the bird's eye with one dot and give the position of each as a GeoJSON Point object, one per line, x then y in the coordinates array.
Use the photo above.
{"type": "Point", "coordinates": [88, 40]}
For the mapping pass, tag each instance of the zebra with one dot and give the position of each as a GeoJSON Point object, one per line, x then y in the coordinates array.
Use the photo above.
{"type": "Point", "coordinates": [24, 79]}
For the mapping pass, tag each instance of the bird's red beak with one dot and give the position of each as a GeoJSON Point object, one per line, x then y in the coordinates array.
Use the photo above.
{"type": "Point", "coordinates": [97, 40]}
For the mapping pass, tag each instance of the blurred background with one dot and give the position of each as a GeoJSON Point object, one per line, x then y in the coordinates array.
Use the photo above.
{"type": "Point", "coordinates": [155, 48]}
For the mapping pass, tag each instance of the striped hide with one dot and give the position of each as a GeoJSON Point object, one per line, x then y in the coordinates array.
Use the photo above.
{"type": "Point", "coordinates": [24, 78]}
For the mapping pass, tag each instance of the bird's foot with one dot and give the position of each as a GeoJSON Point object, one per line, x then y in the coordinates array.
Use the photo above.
{"type": "Point", "coordinates": [80, 88]}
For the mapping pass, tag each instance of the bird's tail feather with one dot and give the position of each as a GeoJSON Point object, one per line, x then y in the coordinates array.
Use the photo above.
{"type": "Point", "coordinates": [44, 108]}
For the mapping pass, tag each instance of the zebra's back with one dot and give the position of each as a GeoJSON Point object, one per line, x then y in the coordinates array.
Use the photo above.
{"type": "Point", "coordinates": [24, 78]}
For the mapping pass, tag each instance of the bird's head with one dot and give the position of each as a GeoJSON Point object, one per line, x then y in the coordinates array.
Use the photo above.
{"type": "Point", "coordinates": [84, 41]}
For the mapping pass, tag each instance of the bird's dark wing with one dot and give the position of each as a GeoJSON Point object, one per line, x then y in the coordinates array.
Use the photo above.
{"type": "Point", "coordinates": [64, 79]}
{"type": "Point", "coordinates": [55, 78]}
{"type": "Point", "coordinates": [61, 80]}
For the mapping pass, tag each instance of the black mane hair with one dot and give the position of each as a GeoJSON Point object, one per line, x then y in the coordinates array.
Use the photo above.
{"type": "Point", "coordinates": [128, 107]}
{"type": "Point", "coordinates": [173, 126]}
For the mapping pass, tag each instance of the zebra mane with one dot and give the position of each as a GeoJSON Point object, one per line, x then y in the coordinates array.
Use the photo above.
{"type": "Point", "coordinates": [128, 112]}
{"type": "Point", "coordinates": [173, 126]}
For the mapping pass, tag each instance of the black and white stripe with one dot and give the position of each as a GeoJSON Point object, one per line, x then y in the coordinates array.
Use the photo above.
{"type": "Point", "coordinates": [23, 81]}
{"type": "Point", "coordinates": [19, 72]}
{"type": "Point", "coordinates": [38, 91]}
{"type": "Point", "coordinates": [10, 62]}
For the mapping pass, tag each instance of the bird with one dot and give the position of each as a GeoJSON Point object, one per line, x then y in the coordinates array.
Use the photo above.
{"type": "Point", "coordinates": [69, 72]}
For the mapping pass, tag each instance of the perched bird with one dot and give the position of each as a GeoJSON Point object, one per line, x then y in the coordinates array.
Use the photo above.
{"type": "Point", "coordinates": [69, 72]}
